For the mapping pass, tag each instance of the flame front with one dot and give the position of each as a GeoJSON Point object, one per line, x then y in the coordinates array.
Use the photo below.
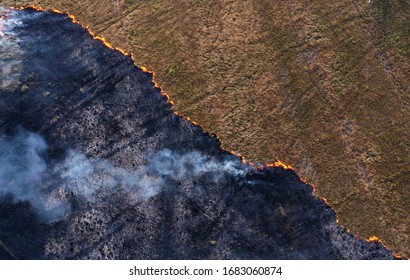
{"type": "Point", "coordinates": [277, 163]}
{"type": "Point", "coordinates": [373, 239]}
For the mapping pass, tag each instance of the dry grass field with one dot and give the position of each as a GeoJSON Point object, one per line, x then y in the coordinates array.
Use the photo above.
{"type": "Point", "coordinates": [323, 86]}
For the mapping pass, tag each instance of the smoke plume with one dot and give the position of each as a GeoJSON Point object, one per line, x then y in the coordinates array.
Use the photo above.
{"type": "Point", "coordinates": [22, 171]}
{"type": "Point", "coordinates": [25, 175]}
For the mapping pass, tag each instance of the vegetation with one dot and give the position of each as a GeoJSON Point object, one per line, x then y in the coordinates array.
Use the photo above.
{"type": "Point", "coordinates": [320, 85]}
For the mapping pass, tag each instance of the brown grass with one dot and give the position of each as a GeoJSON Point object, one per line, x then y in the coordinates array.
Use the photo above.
{"type": "Point", "coordinates": [322, 86]}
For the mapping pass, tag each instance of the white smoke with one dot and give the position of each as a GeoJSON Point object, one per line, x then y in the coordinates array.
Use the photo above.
{"type": "Point", "coordinates": [26, 176]}
{"type": "Point", "coordinates": [84, 176]}
{"type": "Point", "coordinates": [22, 171]}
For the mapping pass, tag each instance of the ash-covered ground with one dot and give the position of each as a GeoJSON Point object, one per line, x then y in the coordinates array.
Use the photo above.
{"type": "Point", "coordinates": [95, 165]}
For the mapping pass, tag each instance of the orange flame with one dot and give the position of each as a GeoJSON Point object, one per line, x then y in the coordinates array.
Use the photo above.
{"type": "Point", "coordinates": [373, 239]}
{"type": "Point", "coordinates": [376, 239]}
{"type": "Point", "coordinates": [277, 163]}
{"type": "Point", "coordinates": [74, 20]}
{"type": "Point", "coordinates": [144, 69]}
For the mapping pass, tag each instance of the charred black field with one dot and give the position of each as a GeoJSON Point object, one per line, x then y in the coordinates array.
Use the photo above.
{"type": "Point", "coordinates": [94, 164]}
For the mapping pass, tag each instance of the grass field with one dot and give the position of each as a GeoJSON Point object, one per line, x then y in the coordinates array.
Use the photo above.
{"type": "Point", "coordinates": [322, 86]}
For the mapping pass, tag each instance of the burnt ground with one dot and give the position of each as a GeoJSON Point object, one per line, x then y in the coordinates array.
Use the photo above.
{"type": "Point", "coordinates": [78, 94]}
{"type": "Point", "coordinates": [320, 85]}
